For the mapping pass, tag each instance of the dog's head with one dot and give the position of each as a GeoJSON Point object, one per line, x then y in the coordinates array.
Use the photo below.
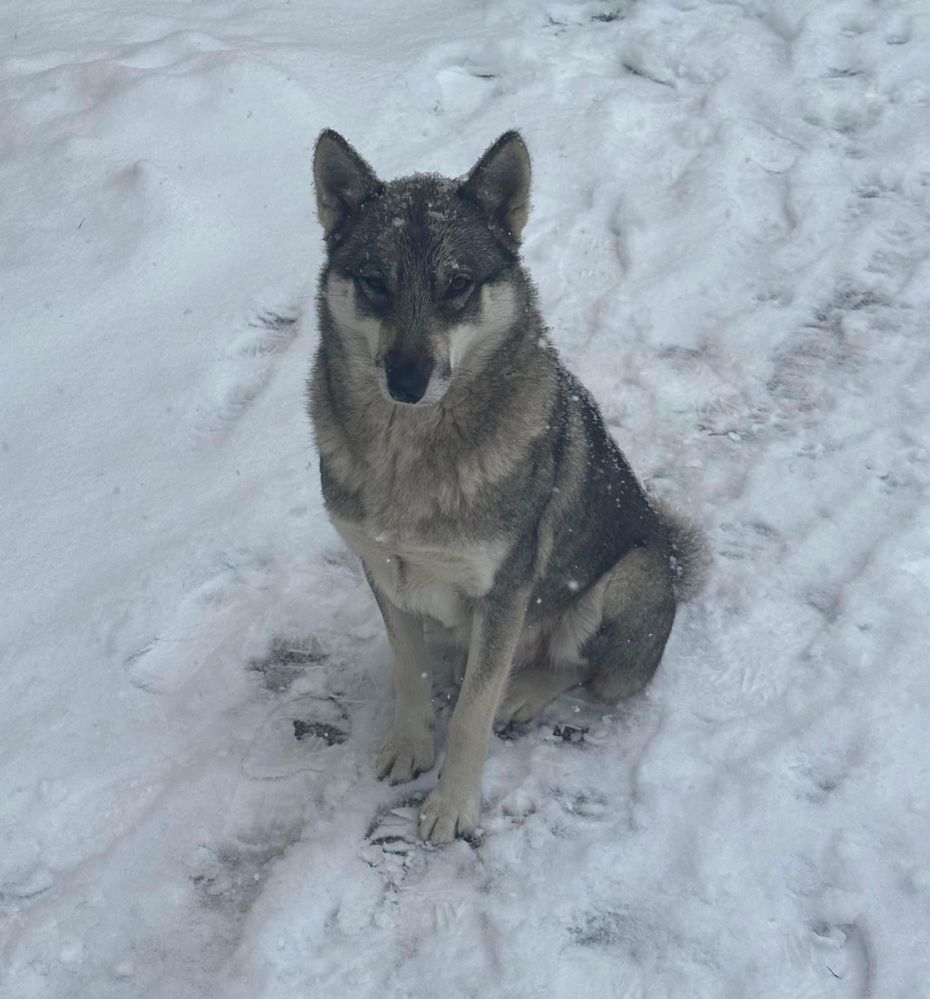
{"type": "Point", "coordinates": [420, 270]}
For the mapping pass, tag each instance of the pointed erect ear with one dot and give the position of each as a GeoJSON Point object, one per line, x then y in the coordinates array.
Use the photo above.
{"type": "Point", "coordinates": [500, 184]}
{"type": "Point", "coordinates": [343, 180]}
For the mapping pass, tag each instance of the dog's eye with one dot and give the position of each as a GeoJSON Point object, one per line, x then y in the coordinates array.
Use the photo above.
{"type": "Point", "coordinates": [458, 286]}
{"type": "Point", "coordinates": [374, 285]}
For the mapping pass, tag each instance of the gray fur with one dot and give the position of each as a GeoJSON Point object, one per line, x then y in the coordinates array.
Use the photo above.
{"type": "Point", "coordinates": [470, 471]}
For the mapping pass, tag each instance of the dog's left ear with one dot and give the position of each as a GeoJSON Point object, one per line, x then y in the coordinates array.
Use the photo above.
{"type": "Point", "coordinates": [343, 181]}
{"type": "Point", "coordinates": [500, 184]}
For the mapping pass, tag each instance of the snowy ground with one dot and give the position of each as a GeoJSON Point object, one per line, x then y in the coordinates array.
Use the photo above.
{"type": "Point", "coordinates": [730, 239]}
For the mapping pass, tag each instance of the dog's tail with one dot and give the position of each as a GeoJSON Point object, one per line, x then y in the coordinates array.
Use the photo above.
{"type": "Point", "coordinates": [689, 552]}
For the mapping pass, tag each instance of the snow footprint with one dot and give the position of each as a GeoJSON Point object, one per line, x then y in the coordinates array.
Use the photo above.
{"type": "Point", "coordinates": [169, 51]}
{"type": "Point", "coordinates": [458, 79]}
{"type": "Point", "coordinates": [245, 371]}
{"type": "Point", "coordinates": [287, 661]}
{"type": "Point", "coordinates": [206, 630]}
{"type": "Point", "coordinates": [391, 842]}
{"type": "Point", "coordinates": [297, 736]}
{"type": "Point", "coordinates": [413, 873]}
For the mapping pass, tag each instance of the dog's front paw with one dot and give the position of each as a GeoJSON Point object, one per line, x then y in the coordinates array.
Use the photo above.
{"type": "Point", "coordinates": [405, 753]}
{"type": "Point", "coordinates": [445, 816]}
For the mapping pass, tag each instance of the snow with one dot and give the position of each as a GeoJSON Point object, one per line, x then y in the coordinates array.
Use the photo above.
{"type": "Point", "coordinates": [730, 238]}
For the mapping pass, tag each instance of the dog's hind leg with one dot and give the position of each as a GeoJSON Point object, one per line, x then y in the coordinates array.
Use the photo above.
{"type": "Point", "coordinates": [638, 611]}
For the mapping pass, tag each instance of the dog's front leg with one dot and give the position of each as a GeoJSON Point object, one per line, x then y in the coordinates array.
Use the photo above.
{"type": "Point", "coordinates": [407, 750]}
{"type": "Point", "coordinates": [452, 808]}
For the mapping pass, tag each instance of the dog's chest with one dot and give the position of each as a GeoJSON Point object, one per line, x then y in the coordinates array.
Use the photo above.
{"type": "Point", "coordinates": [426, 579]}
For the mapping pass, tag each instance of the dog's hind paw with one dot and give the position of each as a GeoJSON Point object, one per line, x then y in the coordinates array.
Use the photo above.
{"type": "Point", "coordinates": [443, 817]}
{"type": "Point", "coordinates": [405, 755]}
{"type": "Point", "coordinates": [530, 690]}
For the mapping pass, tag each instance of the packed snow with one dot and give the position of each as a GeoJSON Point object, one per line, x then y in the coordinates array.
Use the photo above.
{"type": "Point", "coordinates": [730, 239]}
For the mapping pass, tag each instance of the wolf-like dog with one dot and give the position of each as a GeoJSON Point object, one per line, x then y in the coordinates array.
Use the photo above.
{"type": "Point", "coordinates": [470, 471]}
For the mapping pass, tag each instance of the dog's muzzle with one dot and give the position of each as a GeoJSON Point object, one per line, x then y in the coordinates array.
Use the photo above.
{"type": "Point", "coordinates": [407, 375]}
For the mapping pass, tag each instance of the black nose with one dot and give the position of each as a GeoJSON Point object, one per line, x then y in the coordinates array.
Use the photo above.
{"type": "Point", "coordinates": [407, 375]}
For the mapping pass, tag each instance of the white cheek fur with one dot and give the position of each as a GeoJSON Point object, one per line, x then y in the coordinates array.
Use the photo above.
{"type": "Point", "coordinates": [498, 309]}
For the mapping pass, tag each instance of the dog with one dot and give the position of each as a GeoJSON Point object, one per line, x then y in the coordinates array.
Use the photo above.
{"type": "Point", "coordinates": [470, 471]}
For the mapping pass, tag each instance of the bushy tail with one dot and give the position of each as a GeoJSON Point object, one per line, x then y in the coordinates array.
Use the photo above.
{"type": "Point", "coordinates": [689, 552]}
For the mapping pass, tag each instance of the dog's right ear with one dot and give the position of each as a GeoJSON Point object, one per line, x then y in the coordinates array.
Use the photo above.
{"type": "Point", "coordinates": [343, 181]}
